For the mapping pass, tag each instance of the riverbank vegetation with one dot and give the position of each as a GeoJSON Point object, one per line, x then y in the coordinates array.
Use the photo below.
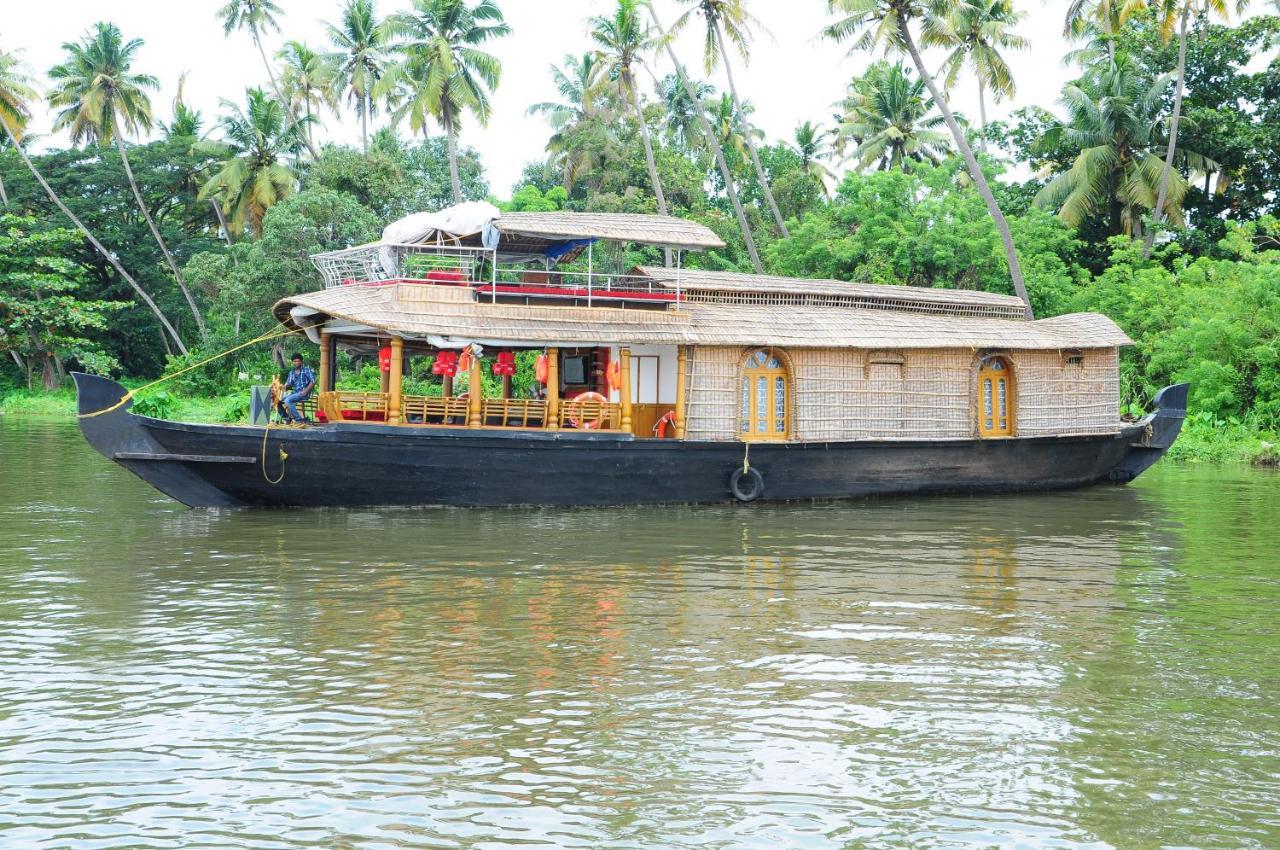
{"type": "Point", "coordinates": [1146, 190]}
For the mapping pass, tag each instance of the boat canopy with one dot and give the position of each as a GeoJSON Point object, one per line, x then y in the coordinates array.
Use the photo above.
{"type": "Point", "coordinates": [450, 317]}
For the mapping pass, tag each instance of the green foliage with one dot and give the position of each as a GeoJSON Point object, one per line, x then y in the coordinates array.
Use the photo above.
{"type": "Point", "coordinates": [158, 404]}
{"type": "Point", "coordinates": [533, 199]}
{"type": "Point", "coordinates": [44, 322]}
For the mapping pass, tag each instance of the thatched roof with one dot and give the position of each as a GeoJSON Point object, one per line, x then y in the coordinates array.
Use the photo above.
{"type": "Point", "coordinates": [730, 287]}
{"type": "Point", "coordinates": [421, 311]}
{"type": "Point", "coordinates": [660, 230]}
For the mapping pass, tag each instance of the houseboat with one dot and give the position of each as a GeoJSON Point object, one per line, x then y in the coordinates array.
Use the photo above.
{"type": "Point", "coordinates": [568, 377]}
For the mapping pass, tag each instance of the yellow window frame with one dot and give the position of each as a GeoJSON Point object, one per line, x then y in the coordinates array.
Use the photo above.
{"type": "Point", "coordinates": [766, 398]}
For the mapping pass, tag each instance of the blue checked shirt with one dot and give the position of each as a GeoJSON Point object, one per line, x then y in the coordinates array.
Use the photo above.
{"type": "Point", "coordinates": [300, 378]}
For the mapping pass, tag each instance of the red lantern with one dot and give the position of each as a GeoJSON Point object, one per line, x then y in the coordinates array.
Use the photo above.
{"type": "Point", "coordinates": [384, 358]}
{"type": "Point", "coordinates": [505, 364]}
{"type": "Point", "coordinates": [446, 364]}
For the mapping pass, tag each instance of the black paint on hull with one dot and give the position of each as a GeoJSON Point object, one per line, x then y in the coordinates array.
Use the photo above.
{"type": "Point", "coordinates": [353, 464]}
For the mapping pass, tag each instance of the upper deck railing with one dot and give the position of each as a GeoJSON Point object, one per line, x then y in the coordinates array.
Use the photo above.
{"type": "Point", "coordinates": [479, 268]}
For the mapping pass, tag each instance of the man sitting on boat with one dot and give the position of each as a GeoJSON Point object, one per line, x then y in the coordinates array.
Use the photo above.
{"type": "Point", "coordinates": [301, 382]}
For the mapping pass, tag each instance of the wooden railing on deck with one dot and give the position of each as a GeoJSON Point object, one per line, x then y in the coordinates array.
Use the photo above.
{"type": "Point", "coordinates": [353, 406]}
{"type": "Point", "coordinates": [514, 412]}
{"type": "Point", "coordinates": [434, 410]}
{"type": "Point", "coordinates": [590, 412]}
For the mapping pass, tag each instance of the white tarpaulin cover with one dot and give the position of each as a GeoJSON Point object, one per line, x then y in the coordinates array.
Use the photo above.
{"type": "Point", "coordinates": [457, 221]}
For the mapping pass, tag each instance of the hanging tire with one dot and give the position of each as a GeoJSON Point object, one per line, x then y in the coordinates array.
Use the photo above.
{"type": "Point", "coordinates": [746, 485]}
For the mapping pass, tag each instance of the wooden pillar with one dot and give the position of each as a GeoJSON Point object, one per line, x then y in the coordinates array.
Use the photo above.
{"type": "Point", "coordinates": [682, 368]}
{"type": "Point", "coordinates": [447, 386]}
{"type": "Point", "coordinates": [326, 368]}
{"type": "Point", "coordinates": [506, 386]}
{"type": "Point", "coordinates": [476, 395]}
{"type": "Point", "coordinates": [553, 389]}
{"type": "Point", "coordinates": [394, 380]}
{"type": "Point", "coordinates": [331, 353]}
{"type": "Point", "coordinates": [624, 355]}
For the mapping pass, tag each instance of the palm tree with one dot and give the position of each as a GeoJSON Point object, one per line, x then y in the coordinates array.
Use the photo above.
{"type": "Point", "coordinates": [975, 32]}
{"type": "Point", "coordinates": [886, 23]}
{"type": "Point", "coordinates": [1099, 20]}
{"type": "Point", "coordinates": [732, 128]}
{"type": "Point", "coordinates": [811, 145]}
{"type": "Point", "coordinates": [307, 80]}
{"type": "Point", "coordinates": [99, 100]}
{"type": "Point", "coordinates": [443, 72]}
{"type": "Point", "coordinates": [257, 16]}
{"type": "Point", "coordinates": [1181, 10]}
{"type": "Point", "coordinates": [578, 83]}
{"type": "Point", "coordinates": [621, 40]}
{"type": "Point", "coordinates": [1114, 121]}
{"type": "Point", "coordinates": [681, 118]}
{"type": "Point", "coordinates": [891, 120]}
{"type": "Point", "coordinates": [15, 92]}
{"type": "Point", "coordinates": [360, 59]}
{"type": "Point", "coordinates": [730, 18]}
{"type": "Point", "coordinates": [705, 126]}
{"type": "Point", "coordinates": [254, 176]}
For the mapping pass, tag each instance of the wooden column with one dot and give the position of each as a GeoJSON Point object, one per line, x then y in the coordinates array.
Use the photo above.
{"type": "Point", "coordinates": [331, 352]}
{"type": "Point", "coordinates": [475, 394]}
{"type": "Point", "coordinates": [624, 356]}
{"type": "Point", "coordinates": [506, 386]}
{"type": "Point", "coordinates": [553, 389]}
{"type": "Point", "coordinates": [682, 368]}
{"type": "Point", "coordinates": [326, 368]}
{"type": "Point", "coordinates": [394, 380]}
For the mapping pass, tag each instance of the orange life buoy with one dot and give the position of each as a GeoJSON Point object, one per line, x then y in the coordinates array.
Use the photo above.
{"type": "Point", "coordinates": [660, 428]}
{"type": "Point", "coordinates": [574, 410]}
{"type": "Point", "coordinates": [613, 376]}
{"type": "Point", "coordinates": [541, 369]}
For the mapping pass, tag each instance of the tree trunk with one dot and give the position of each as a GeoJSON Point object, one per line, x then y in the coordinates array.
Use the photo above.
{"type": "Point", "coordinates": [982, 112]}
{"type": "Point", "coordinates": [364, 126]}
{"type": "Point", "coordinates": [715, 147]}
{"type": "Point", "coordinates": [222, 222]}
{"type": "Point", "coordinates": [1167, 171]}
{"type": "Point", "coordinates": [275, 89]}
{"type": "Point", "coordinates": [453, 157]}
{"type": "Point", "coordinates": [107, 255]}
{"type": "Point", "coordinates": [746, 133]}
{"type": "Point", "coordinates": [979, 179]}
{"type": "Point", "coordinates": [4, 196]}
{"type": "Point", "coordinates": [649, 159]}
{"type": "Point", "coordinates": [155, 232]}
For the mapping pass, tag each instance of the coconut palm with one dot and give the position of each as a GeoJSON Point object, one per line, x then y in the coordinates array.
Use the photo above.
{"type": "Point", "coordinates": [810, 143]}
{"type": "Point", "coordinates": [729, 20]}
{"type": "Point", "coordinates": [1181, 10]}
{"type": "Point", "coordinates": [360, 59]}
{"type": "Point", "coordinates": [99, 99]}
{"type": "Point", "coordinates": [622, 40]}
{"type": "Point", "coordinates": [732, 128]}
{"type": "Point", "coordinates": [15, 93]}
{"type": "Point", "coordinates": [976, 32]}
{"type": "Point", "coordinates": [872, 24]}
{"type": "Point", "coordinates": [307, 81]}
{"type": "Point", "coordinates": [1099, 21]}
{"type": "Point", "coordinates": [1114, 121]}
{"type": "Point", "coordinates": [443, 72]}
{"type": "Point", "coordinates": [680, 120]}
{"type": "Point", "coordinates": [891, 120]}
{"type": "Point", "coordinates": [259, 16]}
{"type": "Point", "coordinates": [704, 126]}
{"type": "Point", "coordinates": [578, 83]}
{"type": "Point", "coordinates": [255, 175]}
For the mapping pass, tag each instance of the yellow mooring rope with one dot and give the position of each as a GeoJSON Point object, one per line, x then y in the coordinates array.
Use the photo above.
{"type": "Point", "coordinates": [133, 393]}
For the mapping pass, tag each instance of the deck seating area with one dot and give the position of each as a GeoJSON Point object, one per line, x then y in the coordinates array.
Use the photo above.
{"type": "Point", "coordinates": [455, 412]}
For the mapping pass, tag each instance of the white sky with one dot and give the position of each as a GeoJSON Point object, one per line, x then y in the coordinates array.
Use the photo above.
{"type": "Point", "coordinates": [792, 78]}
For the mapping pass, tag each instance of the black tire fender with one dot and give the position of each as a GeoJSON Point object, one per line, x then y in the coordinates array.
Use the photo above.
{"type": "Point", "coordinates": [747, 485]}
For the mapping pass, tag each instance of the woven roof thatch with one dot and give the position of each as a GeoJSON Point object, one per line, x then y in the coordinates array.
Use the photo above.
{"type": "Point", "coordinates": [644, 229]}
{"type": "Point", "coordinates": [420, 310]}
{"type": "Point", "coordinates": [699, 280]}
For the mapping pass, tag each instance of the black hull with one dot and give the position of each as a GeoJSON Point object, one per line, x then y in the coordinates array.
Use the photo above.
{"type": "Point", "coordinates": [364, 465]}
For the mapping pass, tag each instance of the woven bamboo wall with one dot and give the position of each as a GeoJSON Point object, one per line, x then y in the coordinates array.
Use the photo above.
{"type": "Point", "coordinates": [842, 394]}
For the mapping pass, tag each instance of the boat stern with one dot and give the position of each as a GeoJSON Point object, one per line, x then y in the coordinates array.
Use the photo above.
{"type": "Point", "coordinates": [1155, 433]}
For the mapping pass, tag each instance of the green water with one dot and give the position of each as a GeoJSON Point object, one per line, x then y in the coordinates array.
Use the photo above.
{"type": "Point", "coordinates": [1088, 669]}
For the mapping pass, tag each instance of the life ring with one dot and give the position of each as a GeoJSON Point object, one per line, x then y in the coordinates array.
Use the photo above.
{"type": "Point", "coordinates": [574, 410]}
{"type": "Point", "coordinates": [613, 376]}
{"type": "Point", "coordinates": [660, 427]}
{"type": "Point", "coordinates": [747, 485]}
{"type": "Point", "coordinates": [541, 369]}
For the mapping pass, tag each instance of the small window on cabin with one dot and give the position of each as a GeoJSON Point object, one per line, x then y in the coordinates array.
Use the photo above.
{"type": "Point", "coordinates": [766, 395]}
{"type": "Point", "coordinates": [1075, 359]}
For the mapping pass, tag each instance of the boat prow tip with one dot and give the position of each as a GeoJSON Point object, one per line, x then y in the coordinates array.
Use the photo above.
{"type": "Point", "coordinates": [98, 395]}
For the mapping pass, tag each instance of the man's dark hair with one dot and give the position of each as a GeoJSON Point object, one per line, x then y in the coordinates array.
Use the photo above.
{"type": "Point", "coordinates": [297, 355]}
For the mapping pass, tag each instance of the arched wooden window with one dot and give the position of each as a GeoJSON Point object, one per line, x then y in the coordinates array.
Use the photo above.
{"type": "Point", "coordinates": [766, 397]}
{"type": "Point", "coordinates": [996, 398]}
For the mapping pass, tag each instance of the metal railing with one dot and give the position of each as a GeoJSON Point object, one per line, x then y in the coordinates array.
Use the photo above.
{"type": "Point", "coordinates": [378, 264]}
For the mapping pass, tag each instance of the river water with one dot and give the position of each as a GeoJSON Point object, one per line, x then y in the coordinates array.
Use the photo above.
{"type": "Point", "coordinates": [1088, 669]}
